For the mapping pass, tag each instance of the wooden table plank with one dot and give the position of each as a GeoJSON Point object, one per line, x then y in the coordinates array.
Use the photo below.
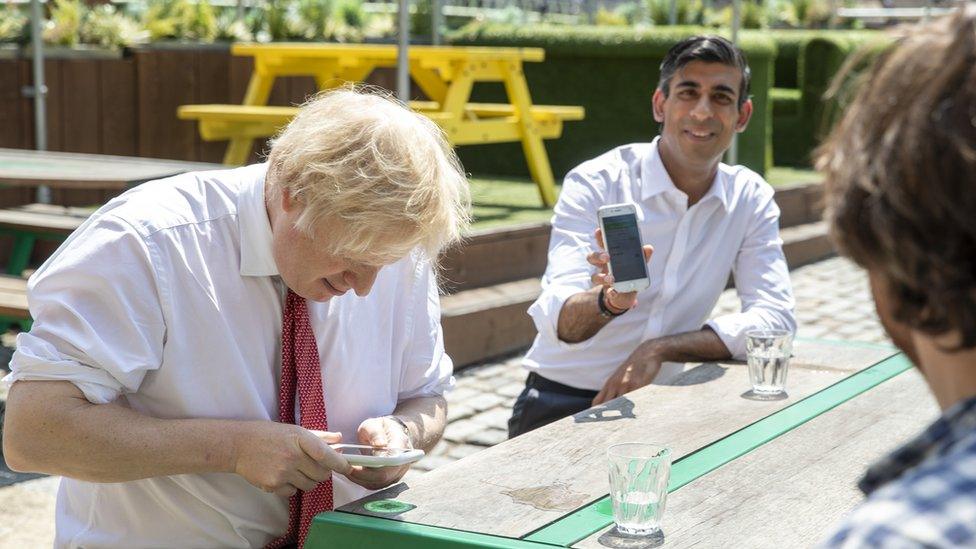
{"type": "Point", "coordinates": [39, 222]}
{"type": "Point", "coordinates": [789, 492]}
{"type": "Point", "coordinates": [23, 167]}
{"type": "Point", "coordinates": [517, 487]}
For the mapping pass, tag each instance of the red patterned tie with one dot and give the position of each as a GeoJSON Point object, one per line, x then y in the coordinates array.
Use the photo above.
{"type": "Point", "coordinates": [300, 366]}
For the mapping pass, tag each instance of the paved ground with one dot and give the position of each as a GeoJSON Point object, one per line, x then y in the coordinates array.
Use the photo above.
{"type": "Point", "coordinates": [833, 302]}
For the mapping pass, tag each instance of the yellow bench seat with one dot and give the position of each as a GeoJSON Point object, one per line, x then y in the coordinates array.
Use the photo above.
{"type": "Point", "coordinates": [479, 123]}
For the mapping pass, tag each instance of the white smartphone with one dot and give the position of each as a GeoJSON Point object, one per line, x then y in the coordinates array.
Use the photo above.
{"type": "Point", "coordinates": [377, 456]}
{"type": "Point", "coordinates": [622, 239]}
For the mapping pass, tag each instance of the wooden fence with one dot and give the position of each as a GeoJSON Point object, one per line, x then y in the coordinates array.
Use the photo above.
{"type": "Point", "coordinates": [126, 105]}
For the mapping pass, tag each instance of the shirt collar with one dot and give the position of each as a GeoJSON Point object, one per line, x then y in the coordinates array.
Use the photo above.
{"type": "Point", "coordinates": [656, 180]}
{"type": "Point", "coordinates": [257, 258]}
{"type": "Point", "coordinates": [956, 423]}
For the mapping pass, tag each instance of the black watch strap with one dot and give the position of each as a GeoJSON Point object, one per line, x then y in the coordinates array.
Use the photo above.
{"type": "Point", "coordinates": [605, 311]}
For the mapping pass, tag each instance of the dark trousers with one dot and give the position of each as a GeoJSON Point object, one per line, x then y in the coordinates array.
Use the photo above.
{"type": "Point", "coordinates": [544, 401]}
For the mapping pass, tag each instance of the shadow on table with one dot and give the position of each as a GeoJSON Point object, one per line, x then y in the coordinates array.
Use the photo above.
{"type": "Point", "coordinates": [703, 373]}
{"type": "Point", "coordinates": [619, 540]}
{"type": "Point", "coordinates": [618, 408]}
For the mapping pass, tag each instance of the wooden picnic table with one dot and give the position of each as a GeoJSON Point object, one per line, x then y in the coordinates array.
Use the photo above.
{"type": "Point", "coordinates": [746, 473]}
{"type": "Point", "coordinates": [22, 167]}
{"type": "Point", "coordinates": [445, 74]}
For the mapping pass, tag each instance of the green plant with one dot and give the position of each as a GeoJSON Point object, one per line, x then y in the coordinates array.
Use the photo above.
{"type": "Point", "coordinates": [315, 17]}
{"type": "Point", "coordinates": [688, 12]}
{"type": "Point", "coordinates": [106, 27]}
{"type": "Point", "coordinates": [13, 24]}
{"type": "Point", "coordinates": [350, 20]}
{"type": "Point", "coordinates": [632, 12]}
{"type": "Point", "coordinates": [63, 27]}
{"type": "Point", "coordinates": [753, 15]}
{"type": "Point", "coordinates": [605, 17]}
{"type": "Point", "coordinates": [809, 14]}
{"type": "Point", "coordinates": [181, 20]}
{"type": "Point", "coordinates": [231, 28]}
{"type": "Point", "coordinates": [420, 18]}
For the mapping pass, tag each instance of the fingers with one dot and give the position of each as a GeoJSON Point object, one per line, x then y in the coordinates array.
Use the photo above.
{"type": "Point", "coordinates": [373, 432]}
{"type": "Point", "coordinates": [285, 491]}
{"type": "Point", "coordinates": [602, 279]}
{"type": "Point", "coordinates": [299, 480]}
{"type": "Point", "coordinates": [375, 478]}
{"type": "Point", "coordinates": [317, 450]}
{"type": "Point", "coordinates": [599, 239]}
{"type": "Point", "coordinates": [327, 436]}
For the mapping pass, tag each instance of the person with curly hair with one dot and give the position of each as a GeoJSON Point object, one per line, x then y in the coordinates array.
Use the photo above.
{"type": "Point", "coordinates": [900, 171]}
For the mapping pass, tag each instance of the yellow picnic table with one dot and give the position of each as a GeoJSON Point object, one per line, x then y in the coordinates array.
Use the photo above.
{"type": "Point", "coordinates": [444, 74]}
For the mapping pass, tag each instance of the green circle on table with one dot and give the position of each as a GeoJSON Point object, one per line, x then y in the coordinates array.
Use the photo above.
{"type": "Point", "coordinates": [387, 506]}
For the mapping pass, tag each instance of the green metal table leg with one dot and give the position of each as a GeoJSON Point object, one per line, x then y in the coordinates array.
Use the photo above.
{"type": "Point", "coordinates": [20, 256]}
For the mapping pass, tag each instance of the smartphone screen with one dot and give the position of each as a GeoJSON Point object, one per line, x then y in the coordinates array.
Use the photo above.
{"type": "Point", "coordinates": [624, 246]}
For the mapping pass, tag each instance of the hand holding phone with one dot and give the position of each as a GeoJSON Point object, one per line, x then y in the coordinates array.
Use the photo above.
{"type": "Point", "coordinates": [622, 240]}
{"type": "Point", "coordinates": [377, 456]}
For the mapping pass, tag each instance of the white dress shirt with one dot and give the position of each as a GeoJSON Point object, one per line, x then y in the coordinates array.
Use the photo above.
{"type": "Point", "coordinates": [169, 296]}
{"type": "Point", "coordinates": [733, 229]}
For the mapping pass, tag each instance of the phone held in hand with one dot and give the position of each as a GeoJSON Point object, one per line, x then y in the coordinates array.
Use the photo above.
{"type": "Point", "coordinates": [377, 456]}
{"type": "Point", "coordinates": [622, 239]}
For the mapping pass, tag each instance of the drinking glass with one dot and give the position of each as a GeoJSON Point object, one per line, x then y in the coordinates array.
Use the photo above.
{"type": "Point", "coordinates": [638, 486]}
{"type": "Point", "coordinates": [769, 354]}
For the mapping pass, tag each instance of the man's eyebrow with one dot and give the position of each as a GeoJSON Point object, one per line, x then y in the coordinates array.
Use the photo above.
{"type": "Point", "coordinates": [724, 88]}
{"type": "Point", "coordinates": [687, 84]}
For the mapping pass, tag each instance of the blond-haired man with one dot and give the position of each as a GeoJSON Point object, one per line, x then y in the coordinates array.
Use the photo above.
{"type": "Point", "coordinates": [151, 377]}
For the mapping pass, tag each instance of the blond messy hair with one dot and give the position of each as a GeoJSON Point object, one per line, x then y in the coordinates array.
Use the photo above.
{"type": "Point", "coordinates": [381, 178]}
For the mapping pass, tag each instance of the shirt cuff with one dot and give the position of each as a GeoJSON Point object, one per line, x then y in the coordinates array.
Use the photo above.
{"type": "Point", "coordinates": [545, 314]}
{"type": "Point", "coordinates": [39, 363]}
{"type": "Point", "coordinates": [731, 329]}
{"type": "Point", "coordinates": [439, 387]}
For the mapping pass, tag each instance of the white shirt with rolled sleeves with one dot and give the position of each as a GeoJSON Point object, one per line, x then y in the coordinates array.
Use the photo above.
{"type": "Point", "coordinates": [169, 296]}
{"type": "Point", "coordinates": [733, 229]}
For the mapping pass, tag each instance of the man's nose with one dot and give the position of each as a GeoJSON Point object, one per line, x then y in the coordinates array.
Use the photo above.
{"type": "Point", "coordinates": [702, 109]}
{"type": "Point", "coordinates": [361, 280]}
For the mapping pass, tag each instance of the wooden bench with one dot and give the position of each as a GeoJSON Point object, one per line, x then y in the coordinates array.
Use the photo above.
{"type": "Point", "coordinates": [29, 223]}
{"type": "Point", "coordinates": [482, 122]}
{"type": "Point", "coordinates": [445, 75]}
{"type": "Point", "coordinates": [13, 302]}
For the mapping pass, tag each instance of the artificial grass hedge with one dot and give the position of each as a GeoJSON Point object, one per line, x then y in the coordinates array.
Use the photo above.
{"type": "Point", "coordinates": [800, 128]}
{"type": "Point", "coordinates": [612, 72]}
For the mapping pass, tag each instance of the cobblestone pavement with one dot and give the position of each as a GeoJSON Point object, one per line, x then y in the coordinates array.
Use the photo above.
{"type": "Point", "coordinates": [833, 302]}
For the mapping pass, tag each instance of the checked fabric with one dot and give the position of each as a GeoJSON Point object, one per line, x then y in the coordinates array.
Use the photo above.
{"type": "Point", "coordinates": [301, 373]}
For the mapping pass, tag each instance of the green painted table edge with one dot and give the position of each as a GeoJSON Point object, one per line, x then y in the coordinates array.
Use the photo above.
{"type": "Point", "coordinates": [340, 529]}
{"type": "Point", "coordinates": [347, 530]}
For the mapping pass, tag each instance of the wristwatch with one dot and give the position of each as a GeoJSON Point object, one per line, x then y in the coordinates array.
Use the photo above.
{"type": "Point", "coordinates": [605, 311]}
{"type": "Point", "coordinates": [404, 425]}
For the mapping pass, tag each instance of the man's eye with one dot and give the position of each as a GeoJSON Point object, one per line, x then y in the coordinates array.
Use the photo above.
{"type": "Point", "coordinates": [723, 99]}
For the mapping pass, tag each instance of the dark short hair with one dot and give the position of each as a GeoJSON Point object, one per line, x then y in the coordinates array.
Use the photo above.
{"type": "Point", "coordinates": [900, 170]}
{"type": "Point", "coordinates": [709, 49]}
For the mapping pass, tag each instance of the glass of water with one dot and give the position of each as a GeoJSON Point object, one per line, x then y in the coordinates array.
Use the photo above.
{"type": "Point", "coordinates": [639, 486]}
{"type": "Point", "coordinates": [769, 354]}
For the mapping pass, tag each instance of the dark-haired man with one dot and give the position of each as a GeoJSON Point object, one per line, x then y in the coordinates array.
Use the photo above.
{"type": "Point", "coordinates": [902, 204]}
{"type": "Point", "coordinates": [701, 219]}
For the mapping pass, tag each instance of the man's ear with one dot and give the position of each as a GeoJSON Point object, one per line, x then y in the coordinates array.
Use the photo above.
{"type": "Point", "coordinates": [657, 103]}
{"type": "Point", "coordinates": [745, 113]}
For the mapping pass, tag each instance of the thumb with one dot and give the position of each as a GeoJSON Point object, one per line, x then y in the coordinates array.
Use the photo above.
{"type": "Point", "coordinates": [648, 252]}
{"type": "Point", "coordinates": [327, 437]}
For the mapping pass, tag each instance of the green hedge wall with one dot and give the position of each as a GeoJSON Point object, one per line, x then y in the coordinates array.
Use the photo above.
{"type": "Point", "coordinates": [790, 44]}
{"type": "Point", "coordinates": [612, 72]}
{"type": "Point", "coordinates": [795, 136]}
